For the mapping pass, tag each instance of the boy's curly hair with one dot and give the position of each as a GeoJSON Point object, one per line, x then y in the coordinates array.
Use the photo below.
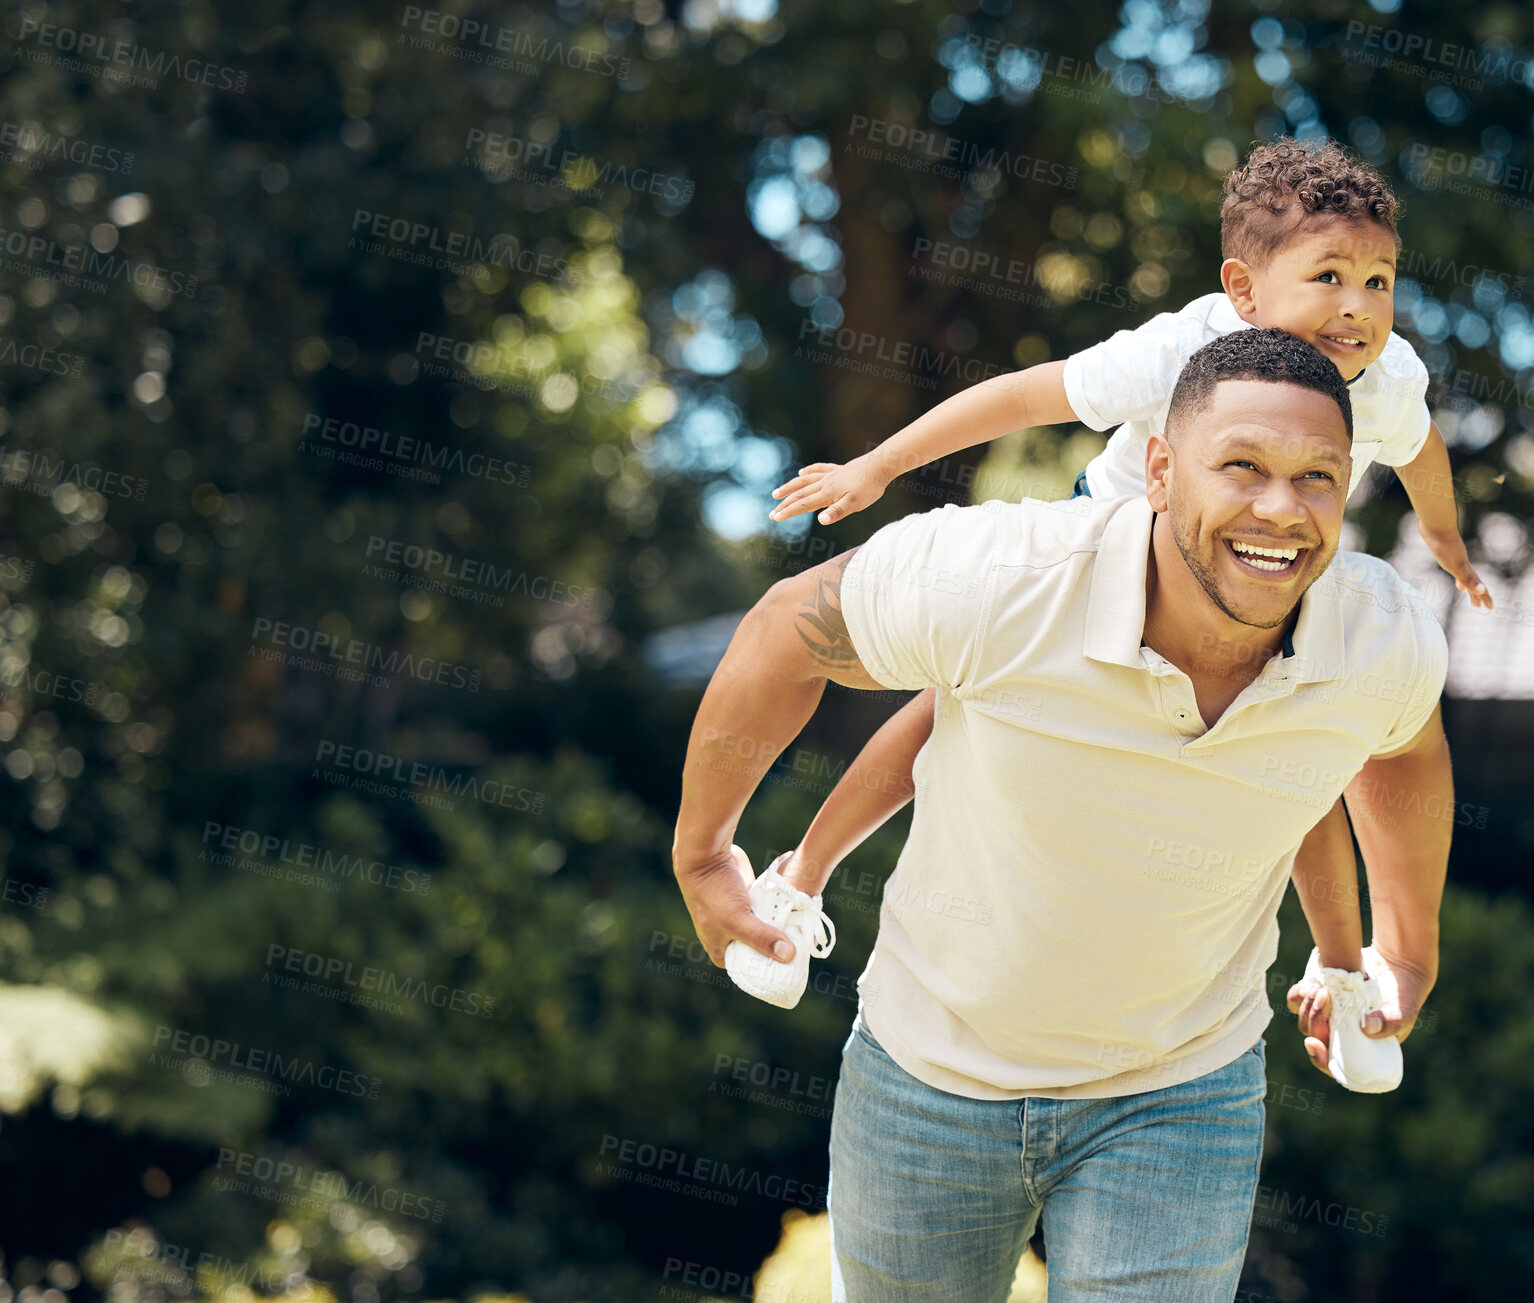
{"type": "Point", "coordinates": [1285, 185]}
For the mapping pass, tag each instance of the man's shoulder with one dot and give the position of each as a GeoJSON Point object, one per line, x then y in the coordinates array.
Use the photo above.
{"type": "Point", "coordinates": [1032, 532]}
{"type": "Point", "coordinates": [1377, 606]}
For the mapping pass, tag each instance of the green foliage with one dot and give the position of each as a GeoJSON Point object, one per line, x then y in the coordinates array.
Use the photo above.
{"type": "Point", "coordinates": [148, 704]}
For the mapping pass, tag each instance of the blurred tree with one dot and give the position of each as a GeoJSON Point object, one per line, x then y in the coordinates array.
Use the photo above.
{"type": "Point", "coordinates": [273, 396]}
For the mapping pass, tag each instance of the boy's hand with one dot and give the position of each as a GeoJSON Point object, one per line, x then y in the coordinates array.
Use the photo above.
{"type": "Point", "coordinates": [840, 490]}
{"type": "Point", "coordinates": [1449, 551]}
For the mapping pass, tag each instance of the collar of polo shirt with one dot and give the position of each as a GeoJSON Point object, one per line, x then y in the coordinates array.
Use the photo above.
{"type": "Point", "coordinates": [1313, 649]}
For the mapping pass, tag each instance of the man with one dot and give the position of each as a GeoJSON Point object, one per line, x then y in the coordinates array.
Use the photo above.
{"type": "Point", "coordinates": [1201, 682]}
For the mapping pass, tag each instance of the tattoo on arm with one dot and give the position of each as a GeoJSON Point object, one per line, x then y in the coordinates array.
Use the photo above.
{"type": "Point", "coordinates": [822, 627]}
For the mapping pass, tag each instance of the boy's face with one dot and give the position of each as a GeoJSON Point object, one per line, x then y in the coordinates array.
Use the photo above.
{"type": "Point", "coordinates": [1332, 285]}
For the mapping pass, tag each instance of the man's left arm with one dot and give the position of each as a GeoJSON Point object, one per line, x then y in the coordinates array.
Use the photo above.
{"type": "Point", "coordinates": [1402, 807]}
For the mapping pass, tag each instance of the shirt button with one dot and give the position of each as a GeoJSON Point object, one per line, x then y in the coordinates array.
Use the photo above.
{"type": "Point", "coordinates": [1182, 716]}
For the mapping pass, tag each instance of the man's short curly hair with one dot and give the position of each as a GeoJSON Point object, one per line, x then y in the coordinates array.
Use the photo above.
{"type": "Point", "coordinates": [1285, 186]}
{"type": "Point", "coordinates": [1272, 356]}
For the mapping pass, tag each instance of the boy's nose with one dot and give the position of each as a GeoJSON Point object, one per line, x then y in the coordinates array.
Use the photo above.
{"type": "Point", "coordinates": [1356, 306]}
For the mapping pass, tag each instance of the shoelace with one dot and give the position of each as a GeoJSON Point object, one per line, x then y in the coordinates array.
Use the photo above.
{"type": "Point", "coordinates": [812, 917]}
{"type": "Point", "coordinates": [816, 925]}
{"type": "Point", "coordinates": [814, 920]}
{"type": "Point", "coordinates": [1354, 994]}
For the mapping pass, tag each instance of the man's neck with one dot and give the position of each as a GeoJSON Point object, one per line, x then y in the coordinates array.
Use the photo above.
{"type": "Point", "coordinates": [1183, 624]}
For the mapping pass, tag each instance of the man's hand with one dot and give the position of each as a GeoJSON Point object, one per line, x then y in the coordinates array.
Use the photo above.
{"type": "Point", "coordinates": [1402, 993]}
{"type": "Point", "coordinates": [841, 490]}
{"type": "Point", "coordinates": [1448, 550]}
{"type": "Point", "coordinates": [717, 896]}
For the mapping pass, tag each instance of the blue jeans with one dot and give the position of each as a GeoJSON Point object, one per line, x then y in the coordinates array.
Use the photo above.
{"type": "Point", "coordinates": [933, 1196]}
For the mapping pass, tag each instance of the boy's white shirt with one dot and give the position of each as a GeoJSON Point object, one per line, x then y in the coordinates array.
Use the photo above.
{"type": "Point", "coordinates": [1127, 381]}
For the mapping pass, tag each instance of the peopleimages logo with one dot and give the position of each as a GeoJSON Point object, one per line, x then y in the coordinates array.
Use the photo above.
{"type": "Point", "coordinates": [660, 1160]}
{"type": "Point", "coordinates": [506, 156]}
{"type": "Point", "coordinates": [405, 455]}
{"type": "Point", "coordinates": [83, 264]}
{"type": "Point", "coordinates": [100, 56]}
{"type": "Point", "coordinates": [326, 1184]}
{"type": "Point", "coordinates": [944, 155]}
{"type": "Point", "coordinates": [373, 770]}
{"type": "Point", "coordinates": [495, 46]}
{"type": "Point", "coordinates": [35, 472]}
{"type": "Point", "coordinates": [332, 867]}
{"type": "Point", "coordinates": [204, 1051]}
{"type": "Point", "coordinates": [456, 576]}
{"type": "Point", "coordinates": [37, 357]}
{"type": "Point", "coordinates": [458, 251]}
{"type": "Point", "coordinates": [380, 983]}
{"type": "Point", "coordinates": [357, 654]}
{"type": "Point", "coordinates": [31, 145]}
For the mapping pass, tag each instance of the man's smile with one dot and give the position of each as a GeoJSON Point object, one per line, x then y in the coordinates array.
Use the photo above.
{"type": "Point", "coordinates": [1269, 560]}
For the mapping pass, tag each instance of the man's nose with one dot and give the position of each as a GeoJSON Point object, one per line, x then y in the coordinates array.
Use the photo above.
{"type": "Point", "coordinates": [1279, 503]}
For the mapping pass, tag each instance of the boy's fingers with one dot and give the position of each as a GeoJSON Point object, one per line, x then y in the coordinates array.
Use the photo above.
{"type": "Point", "coordinates": [843, 506]}
{"type": "Point", "coordinates": [805, 499]}
{"type": "Point", "coordinates": [795, 505]}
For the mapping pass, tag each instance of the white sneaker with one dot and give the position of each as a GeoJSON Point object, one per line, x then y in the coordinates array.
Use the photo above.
{"type": "Point", "coordinates": [799, 915]}
{"type": "Point", "coordinates": [1358, 1062]}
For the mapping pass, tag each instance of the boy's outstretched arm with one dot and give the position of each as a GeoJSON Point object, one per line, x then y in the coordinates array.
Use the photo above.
{"type": "Point", "coordinates": [1325, 877]}
{"type": "Point", "coordinates": [1430, 486]}
{"type": "Point", "coordinates": [875, 785]}
{"type": "Point", "coordinates": [1017, 400]}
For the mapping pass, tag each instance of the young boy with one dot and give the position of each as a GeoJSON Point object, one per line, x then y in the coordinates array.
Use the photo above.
{"type": "Point", "coordinates": [1309, 243]}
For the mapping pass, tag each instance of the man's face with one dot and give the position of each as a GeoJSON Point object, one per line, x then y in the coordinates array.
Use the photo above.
{"type": "Point", "coordinates": [1263, 466]}
{"type": "Point", "coordinates": [1332, 285]}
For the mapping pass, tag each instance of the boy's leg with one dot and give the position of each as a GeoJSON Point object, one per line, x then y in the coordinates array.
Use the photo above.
{"type": "Point", "coordinates": [1154, 1193]}
{"type": "Point", "coordinates": [875, 785]}
{"type": "Point", "coordinates": [1325, 876]}
{"type": "Point", "coordinates": [927, 1193]}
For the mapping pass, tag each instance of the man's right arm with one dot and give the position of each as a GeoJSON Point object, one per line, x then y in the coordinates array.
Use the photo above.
{"type": "Point", "coordinates": [765, 689]}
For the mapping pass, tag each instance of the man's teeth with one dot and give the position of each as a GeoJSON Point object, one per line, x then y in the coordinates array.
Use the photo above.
{"type": "Point", "coordinates": [1265, 558]}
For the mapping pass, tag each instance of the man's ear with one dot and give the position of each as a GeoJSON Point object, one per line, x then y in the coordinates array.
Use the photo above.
{"type": "Point", "coordinates": [1158, 470]}
{"type": "Point", "coordinates": [1240, 287]}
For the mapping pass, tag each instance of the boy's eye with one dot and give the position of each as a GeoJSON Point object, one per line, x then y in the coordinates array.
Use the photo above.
{"type": "Point", "coordinates": [1324, 275]}
{"type": "Point", "coordinates": [1378, 283]}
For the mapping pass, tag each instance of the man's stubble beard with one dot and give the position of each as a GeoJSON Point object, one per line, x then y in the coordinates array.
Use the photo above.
{"type": "Point", "coordinates": [1210, 584]}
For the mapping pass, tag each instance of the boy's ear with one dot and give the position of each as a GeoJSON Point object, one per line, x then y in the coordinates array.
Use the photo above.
{"type": "Point", "coordinates": [1158, 465]}
{"type": "Point", "coordinates": [1240, 287]}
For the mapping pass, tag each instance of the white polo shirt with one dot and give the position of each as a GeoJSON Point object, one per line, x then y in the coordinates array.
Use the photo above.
{"type": "Point", "coordinates": [1127, 381]}
{"type": "Point", "coordinates": [1087, 902]}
